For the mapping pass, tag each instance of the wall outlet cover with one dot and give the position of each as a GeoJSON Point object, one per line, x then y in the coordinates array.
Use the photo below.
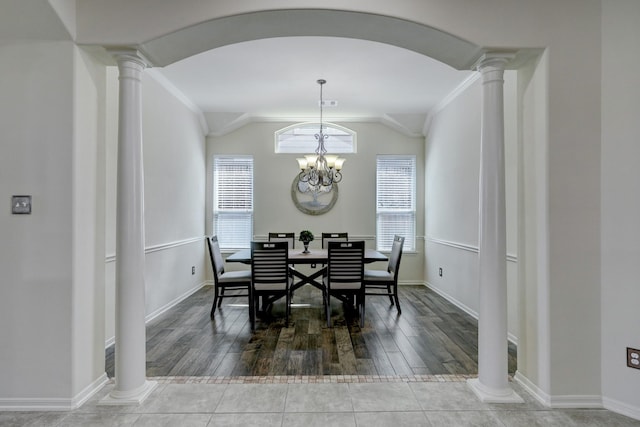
{"type": "Point", "coordinates": [633, 358]}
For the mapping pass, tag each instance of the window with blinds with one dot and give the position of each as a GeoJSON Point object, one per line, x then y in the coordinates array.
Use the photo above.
{"type": "Point", "coordinates": [395, 201]}
{"type": "Point", "coordinates": [233, 201]}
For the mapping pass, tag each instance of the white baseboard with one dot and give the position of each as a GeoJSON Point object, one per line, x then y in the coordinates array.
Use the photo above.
{"type": "Point", "coordinates": [173, 303]}
{"type": "Point", "coordinates": [54, 404]}
{"type": "Point", "coordinates": [111, 340]}
{"type": "Point", "coordinates": [577, 401]}
{"type": "Point", "coordinates": [562, 401]}
{"type": "Point", "coordinates": [453, 301]}
{"type": "Point", "coordinates": [410, 283]}
{"type": "Point", "coordinates": [533, 389]}
{"type": "Point", "coordinates": [512, 338]}
{"type": "Point", "coordinates": [621, 408]}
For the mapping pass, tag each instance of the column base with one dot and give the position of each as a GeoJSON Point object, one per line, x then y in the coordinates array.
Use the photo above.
{"type": "Point", "coordinates": [134, 397]}
{"type": "Point", "coordinates": [492, 395]}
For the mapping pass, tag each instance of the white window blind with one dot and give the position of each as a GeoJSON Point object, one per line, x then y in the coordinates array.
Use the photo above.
{"type": "Point", "coordinates": [395, 201]}
{"type": "Point", "coordinates": [233, 201]}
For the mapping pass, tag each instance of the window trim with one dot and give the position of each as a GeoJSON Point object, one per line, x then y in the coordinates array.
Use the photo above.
{"type": "Point", "coordinates": [410, 237]}
{"type": "Point", "coordinates": [313, 128]}
{"type": "Point", "coordinates": [249, 210]}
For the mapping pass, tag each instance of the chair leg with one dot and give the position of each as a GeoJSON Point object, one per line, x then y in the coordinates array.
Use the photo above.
{"type": "Point", "coordinates": [362, 302]}
{"type": "Point", "coordinates": [290, 302]}
{"type": "Point", "coordinates": [220, 297]}
{"type": "Point", "coordinates": [395, 295]}
{"type": "Point", "coordinates": [252, 312]}
{"type": "Point", "coordinates": [215, 300]}
{"type": "Point", "coordinates": [328, 309]}
{"type": "Point", "coordinates": [287, 308]}
{"type": "Point", "coordinates": [391, 294]}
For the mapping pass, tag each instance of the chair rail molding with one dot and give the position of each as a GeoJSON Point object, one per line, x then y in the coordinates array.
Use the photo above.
{"type": "Point", "coordinates": [161, 247]}
{"type": "Point", "coordinates": [465, 247]}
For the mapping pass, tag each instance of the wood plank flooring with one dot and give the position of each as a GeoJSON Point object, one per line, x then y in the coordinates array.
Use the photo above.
{"type": "Point", "coordinates": [430, 337]}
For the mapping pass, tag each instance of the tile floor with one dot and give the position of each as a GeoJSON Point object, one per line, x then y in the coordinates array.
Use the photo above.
{"type": "Point", "coordinates": [368, 402]}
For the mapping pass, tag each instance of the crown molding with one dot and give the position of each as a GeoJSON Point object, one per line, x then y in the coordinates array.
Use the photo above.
{"type": "Point", "coordinates": [157, 75]}
{"type": "Point", "coordinates": [471, 79]}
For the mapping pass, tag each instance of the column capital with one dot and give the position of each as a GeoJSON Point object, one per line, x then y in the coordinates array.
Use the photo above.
{"type": "Point", "coordinates": [493, 61]}
{"type": "Point", "coordinates": [124, 53]}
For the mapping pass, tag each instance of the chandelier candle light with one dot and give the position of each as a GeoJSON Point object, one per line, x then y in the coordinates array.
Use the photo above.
{"type": "Point", "coordinates": [320, 169]}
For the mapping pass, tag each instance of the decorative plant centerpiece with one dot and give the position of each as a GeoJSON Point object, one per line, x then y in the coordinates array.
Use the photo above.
{"type": "Point", "coordinates": [306, 236]}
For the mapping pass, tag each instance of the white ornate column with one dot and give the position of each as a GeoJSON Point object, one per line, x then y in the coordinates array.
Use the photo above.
{"type": "Point", "coordinates": [131, 385]}
{"type": "Point", "coordinates": [492, 384]}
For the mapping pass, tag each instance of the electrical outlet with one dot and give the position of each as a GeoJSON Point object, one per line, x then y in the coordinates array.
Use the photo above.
{"type": "Point", "coordinates": [440, 272]}
{"type": "Point", "coordinates": [633, 358]}
{"type": "Point", "coordinates": [193, 270]}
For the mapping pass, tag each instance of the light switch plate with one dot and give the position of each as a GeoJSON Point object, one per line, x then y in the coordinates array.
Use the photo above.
{"type": "Point", "coordinates": [20, 205]}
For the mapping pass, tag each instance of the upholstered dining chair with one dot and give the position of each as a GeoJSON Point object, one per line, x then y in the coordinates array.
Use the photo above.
{"type": "Point", "coordinates": [333, 237]}
{"type": "Point", "coordinates": [238, 281]}
{"type": "Point", "coordinates": [290, 238]}
{"type": "Point", "coordinates": [270, 278]}
{"type": "Point", "coordinates": [345, 276]}
{"type": "Point", "coordinates": [385, 282]}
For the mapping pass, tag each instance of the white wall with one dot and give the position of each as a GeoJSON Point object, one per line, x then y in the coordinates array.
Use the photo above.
{"type": "Point", "coordinates": [88, 212]}
{"type": "Point", "coordinates": [452, 165]}
{"type": "Point", "coordinates": [174, 191]}
{"type": "Point", "coordinates": [573, 171]}
{"type": "Point", "coordinates": [354, 212]}
{"type": "Point", "coordinates": [533, 275]}
{"type": "Point", "coordinates": [36, 118]}
{"type": "Point", "coordinates": [566, 127]}
{"type": "Point", "coordinates": [620, 204]}
{"type": "Point", "coordinates": [51, 286]}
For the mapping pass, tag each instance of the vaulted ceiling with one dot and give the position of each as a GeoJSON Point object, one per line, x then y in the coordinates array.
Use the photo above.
{"type": "Point", "coordinates": [275, 79]}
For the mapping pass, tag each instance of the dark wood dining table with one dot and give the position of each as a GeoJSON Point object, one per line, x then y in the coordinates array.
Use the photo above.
{"type": "Point", "coordinates": [313, 257]}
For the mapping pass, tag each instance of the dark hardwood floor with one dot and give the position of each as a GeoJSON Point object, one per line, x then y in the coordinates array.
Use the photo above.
{"type": "Point", "coordinates": [431, 336]}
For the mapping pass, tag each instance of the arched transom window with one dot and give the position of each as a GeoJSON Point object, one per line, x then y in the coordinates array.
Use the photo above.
{"type": "Point", "coordinates": [300, 139]}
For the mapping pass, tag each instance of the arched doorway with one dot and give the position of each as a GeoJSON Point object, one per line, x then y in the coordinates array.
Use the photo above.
{"type": "Point", "coordinates": [219, 32]}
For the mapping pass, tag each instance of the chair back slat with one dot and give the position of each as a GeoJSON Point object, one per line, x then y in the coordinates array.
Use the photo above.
{"type": "Point", "coordinates": [396, 254]}
{"type": "Point", "coordinates": [290, 238]}
{"type": "Point", "coordinates": [333, 237]}
{"type": "Point", "coordinates": [217, 262]}
{"type": "Point", "coordinates": [345, 262]}
{"type": "Point", "coordinates": [269, 262]}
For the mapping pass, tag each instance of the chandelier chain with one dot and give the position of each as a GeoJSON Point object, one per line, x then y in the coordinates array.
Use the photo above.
{"type": "Point", "coordinates": [321, 171]}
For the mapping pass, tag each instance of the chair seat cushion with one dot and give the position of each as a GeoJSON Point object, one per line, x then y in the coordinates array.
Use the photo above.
{"type": "Point", "coordinates": [235, 276]}
{"type": "Point", "coordinates": [377, 275]}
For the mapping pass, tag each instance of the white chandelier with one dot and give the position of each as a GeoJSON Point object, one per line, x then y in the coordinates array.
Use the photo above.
{"type": "Point", "coordinates": [320, 169]}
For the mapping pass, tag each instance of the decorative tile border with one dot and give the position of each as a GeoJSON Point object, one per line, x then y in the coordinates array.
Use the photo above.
{"type": "Point", "coordinates": [311, 379]}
